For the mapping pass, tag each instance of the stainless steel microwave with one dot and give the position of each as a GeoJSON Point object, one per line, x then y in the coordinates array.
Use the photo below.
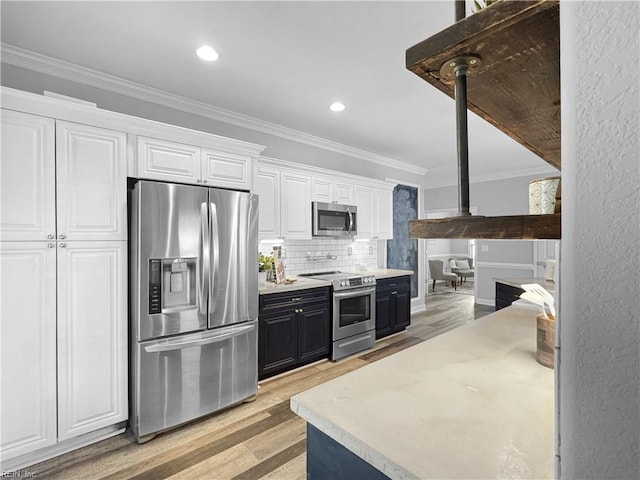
{"type": "Point", "coordinates": [334, 220]}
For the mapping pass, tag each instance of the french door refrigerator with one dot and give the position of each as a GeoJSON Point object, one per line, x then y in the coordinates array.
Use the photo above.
{"type": "Point", "coordinates": [194, 303]}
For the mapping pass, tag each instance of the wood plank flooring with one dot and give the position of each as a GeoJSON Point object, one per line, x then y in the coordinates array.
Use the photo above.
{"type": "Point", "coordinates": [262, 439]}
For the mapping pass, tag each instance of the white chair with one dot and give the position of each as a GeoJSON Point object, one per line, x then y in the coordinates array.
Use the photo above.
{"type": "Point", "coordinates": [436, 270]}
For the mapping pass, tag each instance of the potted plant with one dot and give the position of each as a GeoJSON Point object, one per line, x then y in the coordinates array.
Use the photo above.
{"type": "Point", "coordinates": [265, 262]}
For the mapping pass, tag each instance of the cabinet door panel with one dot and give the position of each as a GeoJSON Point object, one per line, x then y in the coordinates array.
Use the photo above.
{"type": "Point", "coordinates": [403, 309]}
{"type": "Point", "coordinates": [383, 314]}
{"type": "Point", "coordinates": [226, 170]}
{"type": "Point", "coordinates": [383, 218]}
{"type": "Point", "coordinates": [267, 186]}
{"type": "Point", "coordinates": [168, 161]}
{"type": "Point", "coordinates": [322, 190]}
{"type": "Point", "coordinates": [295, 205]}
{"type": "Point", "coordinates": [278, 344]}
{"type": "Point", "coordinates": [27, 177]}
{"type": "Point", "coordinates": [92, 337]}
{"type": "Point", "coordinates": [364, 202]}
{"type": "Point", "coordinates": [343, 193]}
{"type": "Point", "coordinates": [92, 183]}
{"type": "Point", "coordinates": [28, 347]}
{"type": "Point", "coordinates": [314, 327]}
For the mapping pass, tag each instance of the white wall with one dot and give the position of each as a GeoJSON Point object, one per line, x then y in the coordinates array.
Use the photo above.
{"type": "Point", "coordinates": [599, 327]}
{"type": "Point", "coordinates": [507, 196]}
{"type": "Point", "coordinates": [494, 258]}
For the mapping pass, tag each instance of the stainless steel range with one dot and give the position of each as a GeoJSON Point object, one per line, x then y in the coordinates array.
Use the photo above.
{"type": "Point", "coordinates": [354, 311]}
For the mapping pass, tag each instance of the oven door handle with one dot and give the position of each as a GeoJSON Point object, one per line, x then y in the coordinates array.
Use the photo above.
{"type": "Point", "coordinates": [354, 293]}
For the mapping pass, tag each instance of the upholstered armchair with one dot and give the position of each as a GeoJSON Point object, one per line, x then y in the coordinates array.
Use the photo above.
{"type": "Point", "coordinates": [462, 266]}
{"type": "Point", "coordinates": [436, 271]}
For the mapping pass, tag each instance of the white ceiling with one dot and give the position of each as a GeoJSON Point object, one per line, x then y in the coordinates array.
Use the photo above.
{"type": "Point", "coordinates": [283, 63]}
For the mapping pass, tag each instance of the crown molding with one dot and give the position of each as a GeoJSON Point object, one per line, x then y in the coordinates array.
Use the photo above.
{"type": "Point", "coordinates": [30, 60]}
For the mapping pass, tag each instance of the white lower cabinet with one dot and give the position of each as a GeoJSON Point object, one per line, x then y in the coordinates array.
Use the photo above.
{"type": "Point", "coordinates": [28, 341]}
{"type": "Point", "coordinates": [64, 341]}
{"type": "Point", "coordinates": [92, 336]}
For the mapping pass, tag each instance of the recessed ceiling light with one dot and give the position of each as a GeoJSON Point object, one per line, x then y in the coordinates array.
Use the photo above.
{"type": "Point", "coordinates": [337, 107]}
{"type": "Point", "coordinates": [205, 52]}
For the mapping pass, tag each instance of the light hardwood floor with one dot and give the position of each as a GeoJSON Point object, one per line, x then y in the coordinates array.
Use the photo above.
{"type": "Point", "coordinates": [262, 439]}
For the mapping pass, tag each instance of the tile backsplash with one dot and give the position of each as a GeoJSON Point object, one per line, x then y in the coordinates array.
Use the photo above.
{"type": "Point", "coordinates": [296, 255]}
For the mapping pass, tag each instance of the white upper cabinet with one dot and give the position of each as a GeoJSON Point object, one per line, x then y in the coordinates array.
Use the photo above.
{"type": "Point", "coordinates": [27, 177]}
{"type": "Point", "coordinates": [375, 211]}
{"type": "Point", "coordinates": [295, 205]}
{"type": "Point", "coordinates": [266, 184]}
{"type": "Point", "coordinates": [168, 161]}
{"type": "Point", "coordinates": [364, 202]}
{"type": "Point", "coordinates": [28, 347]}
{"type": "Point", "coordinates": [383, 217]}
{"type": "Point", "coordinates": [91, 182]}
{"type": "Point", "coordinates": [325, 189]}
{"type": "Point", "coordinates": [178, 162]}
{"type": "Point", "coordinates": [92, 336]}
{"type": "Point", "coordinates": [226, 170]}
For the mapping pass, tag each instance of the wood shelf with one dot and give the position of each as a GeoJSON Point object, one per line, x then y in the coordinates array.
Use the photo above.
{"type": "Point", "coordinates": [517, 87]}
{"type": "Point", "coordinates": [513, 227]}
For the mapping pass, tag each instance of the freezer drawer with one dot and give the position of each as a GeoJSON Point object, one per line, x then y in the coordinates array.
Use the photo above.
{"type": "Point", "coordinates": [185, 377]}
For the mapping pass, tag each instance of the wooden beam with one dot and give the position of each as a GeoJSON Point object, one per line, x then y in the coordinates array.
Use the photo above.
{"type": "Point", "coordinates": [517, 86]}
{"type": "Point", "coordinates": [507, 227]}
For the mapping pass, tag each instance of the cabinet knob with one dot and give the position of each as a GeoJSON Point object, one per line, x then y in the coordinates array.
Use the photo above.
{"type": "Point", "coordinates": [61, 236]}
{"type": "Point", "coordinates": [51, 236]}
{"type": "Point", "coordinates": [298, 310]}
{"type": "Point", "coordinates": [204, 181]}
{"type": "Point", "coordinates": [51, 245]}
{"type": "Point", "coordinates": [395, 292]}
{"type": "Point", "coordinates": [62, 244]}
{"type": "Point", "coordinates": [199, 181]}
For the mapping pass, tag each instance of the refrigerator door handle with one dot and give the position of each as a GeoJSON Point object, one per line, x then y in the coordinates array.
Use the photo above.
{"type": "Point", "coordinates": [214, 338]}
{"type": "Point", "coordinates": [214, 234]}
{"type": "Point", "coordinates": [203, 280]}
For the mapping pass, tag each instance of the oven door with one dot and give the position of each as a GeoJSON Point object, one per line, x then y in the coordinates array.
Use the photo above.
{"type": "Point", "coordinates": [354, 312]}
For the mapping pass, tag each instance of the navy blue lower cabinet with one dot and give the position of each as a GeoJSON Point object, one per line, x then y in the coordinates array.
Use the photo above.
{"type": "Point", "coordinates": [328, 460]}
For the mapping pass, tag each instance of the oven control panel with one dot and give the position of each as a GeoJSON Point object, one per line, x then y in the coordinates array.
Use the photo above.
{"type": "Point", "coordinates": [356, 282]}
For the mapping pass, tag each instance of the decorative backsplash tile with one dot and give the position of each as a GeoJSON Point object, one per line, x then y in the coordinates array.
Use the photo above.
{"type": "Point", "coordinates": [297, 255]}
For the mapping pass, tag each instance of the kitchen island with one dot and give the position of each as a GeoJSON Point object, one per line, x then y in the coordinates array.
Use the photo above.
{"type": "Point", "coordinates": [471, 403]}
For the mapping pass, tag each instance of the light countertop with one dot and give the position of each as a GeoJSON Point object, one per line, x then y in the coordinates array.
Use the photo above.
{"type": "Point", "coordinates": [302, 283]}
{"type": "Point", "coordinates": [518, 282]}
{"type": "Point", "coordinates": [470, 403]}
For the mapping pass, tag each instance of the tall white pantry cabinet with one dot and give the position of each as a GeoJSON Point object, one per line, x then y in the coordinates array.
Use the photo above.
{"type": "Point", "coordinates": [63, 266]}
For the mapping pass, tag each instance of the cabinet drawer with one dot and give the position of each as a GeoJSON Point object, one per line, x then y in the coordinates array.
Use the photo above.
{"type": "Point", "coordinates": [274, 301]}
{"type": "Point", "coordinates": [395, 283]}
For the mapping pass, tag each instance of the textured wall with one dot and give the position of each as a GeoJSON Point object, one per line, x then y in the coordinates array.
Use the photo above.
{"type": "Point", "coordinates": [599, 375]}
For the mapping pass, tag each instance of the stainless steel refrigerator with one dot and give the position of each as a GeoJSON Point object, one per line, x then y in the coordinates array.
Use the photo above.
{"type": "Point", "coordinates": [194, 303]}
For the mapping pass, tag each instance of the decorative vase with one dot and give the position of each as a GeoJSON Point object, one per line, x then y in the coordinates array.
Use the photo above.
{"type": "Point", "coordinates": [542, 196]}
{"type": "Point", "coordinates": [262, 277]}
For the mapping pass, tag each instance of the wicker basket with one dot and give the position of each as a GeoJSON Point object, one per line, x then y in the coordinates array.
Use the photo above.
{"type": "Point", "coordinates": [546, 338]}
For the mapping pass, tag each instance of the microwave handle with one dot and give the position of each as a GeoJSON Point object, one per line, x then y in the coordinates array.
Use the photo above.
{"type": "Point", "coordinates": [350, 227]}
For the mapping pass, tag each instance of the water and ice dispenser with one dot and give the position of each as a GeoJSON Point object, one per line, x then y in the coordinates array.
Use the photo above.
{"type": "Point", "coordinates": [172, 284]}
